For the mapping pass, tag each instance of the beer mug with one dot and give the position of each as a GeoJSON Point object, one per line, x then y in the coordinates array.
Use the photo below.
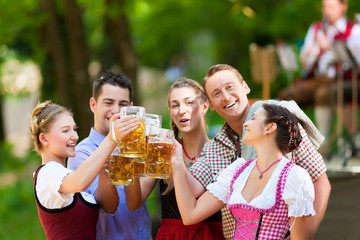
{"type": "Point", "coordinates": [159, 152]}
{"type": "Point", "coordinates": [139, 167]}
{"type": "Point", "coordinates": [121, 169]}
{"type": "Point", "coordinates": [133, 145]}
{"type": "Point", "coordinates": [151, 120]}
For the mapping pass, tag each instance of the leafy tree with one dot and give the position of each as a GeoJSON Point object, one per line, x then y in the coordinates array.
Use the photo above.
{"type": "Point", "coordinates": [64, 37]}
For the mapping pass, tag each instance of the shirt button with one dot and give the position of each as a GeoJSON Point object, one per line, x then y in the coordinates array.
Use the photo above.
{"type": "Point", "coordinates": [141, 229]}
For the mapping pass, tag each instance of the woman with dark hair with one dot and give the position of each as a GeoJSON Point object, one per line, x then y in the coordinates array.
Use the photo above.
{"type": "Point", "coordinates": [269, 195]}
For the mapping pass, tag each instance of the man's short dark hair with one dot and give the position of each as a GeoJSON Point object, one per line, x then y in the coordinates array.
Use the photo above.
{"type": "Point", "coordinates": [112, 78]}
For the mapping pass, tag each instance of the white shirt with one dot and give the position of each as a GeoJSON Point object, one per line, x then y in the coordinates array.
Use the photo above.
{"type": "Point", "coordinates": [298, 192]}
{"type": "Point", "coordinates": [325, 64]}
{"type": "Point", "coordinates": [48, 183]}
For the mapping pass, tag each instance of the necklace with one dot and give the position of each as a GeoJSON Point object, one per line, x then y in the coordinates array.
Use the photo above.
{"type": "Point", "coordinates": [261, 172]}
{"type": "Point", "coordinates": [192, 159]}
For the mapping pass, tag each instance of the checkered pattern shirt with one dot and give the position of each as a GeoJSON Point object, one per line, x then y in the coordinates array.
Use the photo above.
{"type": "Point", "coordinates": [218, 153]}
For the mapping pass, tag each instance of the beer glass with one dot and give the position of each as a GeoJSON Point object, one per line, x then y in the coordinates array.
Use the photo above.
{"type": "Point", "coordinates": [139, 167]}
{"type": "Point", "coordinates": [133, 145]}
{"type": "Point", "coordinates": [159, 153]}
{"type": "Point", "coordinates": [152, 120]}
{"type": "Point", "coordinates": [121, 169]}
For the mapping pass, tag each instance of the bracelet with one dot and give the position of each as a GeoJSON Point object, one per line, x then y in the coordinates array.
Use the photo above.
{"type": "Point", "coordinates": [113, 132]}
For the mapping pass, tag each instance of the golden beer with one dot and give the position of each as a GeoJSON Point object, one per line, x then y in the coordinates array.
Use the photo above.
{"type": "Point", "coordinates": [139, 168]}
{"type": "Point", "coordinates": [158, 159]}
{"type": "Point", "coordinates": [133, 145]}
{"type": "Point", "coordinates": [121, 170]}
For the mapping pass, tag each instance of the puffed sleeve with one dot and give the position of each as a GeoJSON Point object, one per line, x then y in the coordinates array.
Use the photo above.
{"type": "Point", "coordinates": [299, 193]}
{"type": "Point", "coordinates": [221, 188]}
{"type": "Point", "coordinates": [48, 184]}
{"type": "Point", "coordinates": [308, 42]}
{"type": "Point", "coordinates": [354, 43]}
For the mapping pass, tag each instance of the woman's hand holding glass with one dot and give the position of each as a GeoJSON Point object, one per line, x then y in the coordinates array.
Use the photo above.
{"type": "Point", "coordinates": [177, 162]}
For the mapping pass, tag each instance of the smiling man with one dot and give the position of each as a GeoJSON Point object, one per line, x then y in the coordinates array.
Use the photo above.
{"type": "Point", "coordinates": [111, 92]}
{"type": "Point", "coordinates": [227, 93]}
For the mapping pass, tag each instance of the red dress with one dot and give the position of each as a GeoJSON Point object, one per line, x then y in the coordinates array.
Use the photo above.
{"type": "Point", "coordinates": [173, 228]}
{"type": "Point", "coordinates": [75, 221]}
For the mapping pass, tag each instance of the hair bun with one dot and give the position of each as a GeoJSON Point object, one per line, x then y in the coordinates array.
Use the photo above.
{"type": "Point", "coordinates": [36, 119]}
{"type": "Point", "coordinates": [288, 136]}
{"type": "Point", "coordinates": [42, 118]}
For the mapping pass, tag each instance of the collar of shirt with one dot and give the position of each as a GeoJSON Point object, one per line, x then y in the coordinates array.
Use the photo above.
{"type": "Point", "coordinates": [339, 26]}
{"type": "Point", "coordinates": [96, 137]}
{"type": "Point", "coordinates": [224, 138]}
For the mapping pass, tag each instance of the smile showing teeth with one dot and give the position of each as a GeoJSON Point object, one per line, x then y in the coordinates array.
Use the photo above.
{"type": "Point", "coordinates": [230, 105]}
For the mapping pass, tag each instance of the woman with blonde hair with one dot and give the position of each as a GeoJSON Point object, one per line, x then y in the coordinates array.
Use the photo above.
{"type": "Point", "coordinates": [188, 105]}
{"type": "Point", "coordinates": [64, 209]}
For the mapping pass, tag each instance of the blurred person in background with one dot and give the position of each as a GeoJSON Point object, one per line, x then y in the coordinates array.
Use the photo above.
{"type": "Point", "coordinates": [322, 68]}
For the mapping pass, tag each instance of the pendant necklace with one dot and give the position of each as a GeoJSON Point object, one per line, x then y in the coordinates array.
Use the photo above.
{"type": "Point", "coordinates": [261, 172]}
{"type": "Point", "coordinates": [192, 160]}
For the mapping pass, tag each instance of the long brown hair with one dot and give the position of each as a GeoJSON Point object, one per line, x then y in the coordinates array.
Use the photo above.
{"type": "Point", "coordinates": [180, 83]}
{"type": "Point", "coordinates": [186, 82]}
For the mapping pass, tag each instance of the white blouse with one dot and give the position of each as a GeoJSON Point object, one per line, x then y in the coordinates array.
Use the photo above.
{"type": "Point", "coordinates": [298, 192]}
{"type": "Point", "coordinates": [48, 183]}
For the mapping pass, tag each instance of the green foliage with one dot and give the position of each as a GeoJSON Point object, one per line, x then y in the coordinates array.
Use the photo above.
{"type": "Point", "coordinates": [153, 203]}
{"type": "Point", "coordinates": [203, 32]}
{"type": "Point", "coordinates": [18, 213]}
{"type": "Point", "coordinates": [9, 162]}
{"type": "Point", "coordinates": [19, 21]}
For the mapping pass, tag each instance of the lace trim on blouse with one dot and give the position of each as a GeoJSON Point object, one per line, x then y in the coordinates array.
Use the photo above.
{"type": "Point", "coordinates": [298, 193]}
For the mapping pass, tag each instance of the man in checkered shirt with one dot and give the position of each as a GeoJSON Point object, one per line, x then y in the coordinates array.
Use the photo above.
{"type": "Point", "coordinates": [227, 93]}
